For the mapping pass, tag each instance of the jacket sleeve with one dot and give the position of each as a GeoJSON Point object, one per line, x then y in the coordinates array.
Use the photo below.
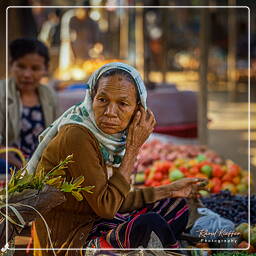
{"type": "Point", "coordinates": [108, 194]}
{"type": "Point", "coordinates": [137, 199]}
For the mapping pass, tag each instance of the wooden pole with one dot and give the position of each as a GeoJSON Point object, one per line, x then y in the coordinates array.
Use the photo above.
{"type": "Point", "coordinates": [139, 40]}
{"type": "Point", "coordinates": [124, 33]}
{"type": "Point", "coordinates": [232, 51]}
{"type": "Point", "coordinates": [164, 41]}
{"type": "Point", "coordinates": [132, 46]}
{"type": "Point", "coordinates": [202, 95]}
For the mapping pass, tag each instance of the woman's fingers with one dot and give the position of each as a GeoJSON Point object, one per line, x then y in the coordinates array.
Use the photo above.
{"type": "Point", "coordinates": [151, 118]}
{"type": "Point", "coordinates": [143, 115]}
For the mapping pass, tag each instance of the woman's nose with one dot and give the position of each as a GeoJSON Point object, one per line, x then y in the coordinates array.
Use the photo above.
{"type": "Point", "coordinates": [111, 110]}
{"type": "Point", "coordinates": [27, 72]}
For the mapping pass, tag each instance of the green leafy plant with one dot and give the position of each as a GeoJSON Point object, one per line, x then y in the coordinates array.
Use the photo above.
{"type": "Point", "coordinates": [21, 180]}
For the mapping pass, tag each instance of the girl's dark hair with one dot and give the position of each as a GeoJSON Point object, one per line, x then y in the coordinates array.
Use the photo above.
{"type": "Point", "coordinates": [23, 46]}
{"type": "Point", "coordinates": [113, 72]}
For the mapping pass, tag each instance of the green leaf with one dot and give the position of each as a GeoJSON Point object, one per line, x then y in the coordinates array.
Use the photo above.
{"type": "Point", "coordinates": [77, 195]}
{"type": "Point", "coordinates": [66, 187]}
{"type": "Point", "coordinates": [54, 181]}
{"type": "Point", "coordinates": [87, 189]}
{"type": "Point", "coordinates": [58, 172]}
{"type": "Point", "coordinates": [78, 181]}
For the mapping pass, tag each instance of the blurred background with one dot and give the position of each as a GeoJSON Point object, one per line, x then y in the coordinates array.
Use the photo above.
{"type": "Point", "coordinates": [194, 61]}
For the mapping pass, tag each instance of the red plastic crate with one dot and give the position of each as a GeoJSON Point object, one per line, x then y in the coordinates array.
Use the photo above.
{"type": "Point", "coordinates": [179, 130]}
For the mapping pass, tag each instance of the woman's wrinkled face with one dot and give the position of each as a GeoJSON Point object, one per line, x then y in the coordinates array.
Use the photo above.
{"type": "Point", "coordinates": [28, 71]}
{"type": "Point", "coordinates": [114, 104]}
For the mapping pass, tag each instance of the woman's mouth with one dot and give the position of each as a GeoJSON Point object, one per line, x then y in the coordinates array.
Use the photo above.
{"type": "Point", "coordinates": [107, 124]}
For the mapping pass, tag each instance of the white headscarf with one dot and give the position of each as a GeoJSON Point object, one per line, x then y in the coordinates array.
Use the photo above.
{"type": "Point", "coordinates": [111, 146]}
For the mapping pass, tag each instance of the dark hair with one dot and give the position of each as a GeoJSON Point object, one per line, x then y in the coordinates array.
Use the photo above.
{"type": "Point", "coordinates": [23, 46]}
{"type": "Point", "coordinates": [113, 72]}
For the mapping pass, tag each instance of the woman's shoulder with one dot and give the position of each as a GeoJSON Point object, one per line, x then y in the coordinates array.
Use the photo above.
{"type": "Point", "coordinates": [46, 89]}
{"type": "Point", "coordinates": [76, 137]}
{"type": "Point", "coordinates": [47, 94]}
{"type": "Point", "coordinates": [11, 88]}
{"type": "Point", "coordinates": [77, 132]}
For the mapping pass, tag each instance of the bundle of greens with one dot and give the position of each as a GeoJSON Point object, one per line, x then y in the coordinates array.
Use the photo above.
{"type": "Point", "coordinates": [28, 196]}
{"type": "Point", "coordinates": [21, 180]}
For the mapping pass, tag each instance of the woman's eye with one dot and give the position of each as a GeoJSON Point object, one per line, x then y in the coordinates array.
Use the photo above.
{"type": "Point", "coordinates": [123, 103]}
{"type": "Point", "coordinates": [21, 66]}
{"type": "Point", "coordinates": [36, 68]}
{"type": "Point", "coordinates": [102, 100]}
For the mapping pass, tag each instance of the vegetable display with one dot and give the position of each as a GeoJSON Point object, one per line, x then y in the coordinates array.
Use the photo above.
{"type": "Point", "coordinates": [158, 166]}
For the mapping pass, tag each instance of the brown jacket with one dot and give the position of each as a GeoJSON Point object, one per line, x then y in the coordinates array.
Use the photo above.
{"type": "Point", "coordinates": [71, 222]}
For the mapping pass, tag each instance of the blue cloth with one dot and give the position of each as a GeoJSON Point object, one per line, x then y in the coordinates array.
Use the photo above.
{"type": "Point", "coordinates": [211, 222]}
{"type": "Point", "coordinates": [3, 163]}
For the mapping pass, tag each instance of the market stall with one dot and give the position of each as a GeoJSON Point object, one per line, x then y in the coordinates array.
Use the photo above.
{"type": "Point", "coordinates": [226, 203]}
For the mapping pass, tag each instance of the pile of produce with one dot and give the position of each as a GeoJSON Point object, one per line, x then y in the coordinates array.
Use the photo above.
{"type": "Point", "coordinates": [161, 163]}
{"type": "Point", "coordinates": [221, 176]}
{"type": "Point", "coordinates": [232, 207]}
{"type": "Point", "coordinates": [156, 150]}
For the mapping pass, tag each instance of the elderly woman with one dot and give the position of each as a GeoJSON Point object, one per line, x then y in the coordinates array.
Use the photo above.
{"type": "Point", "coordinates": [104, 133]}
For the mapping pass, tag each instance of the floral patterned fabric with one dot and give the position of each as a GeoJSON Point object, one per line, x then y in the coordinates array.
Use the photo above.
{"type": "Point", "coordinates": [32, 124]}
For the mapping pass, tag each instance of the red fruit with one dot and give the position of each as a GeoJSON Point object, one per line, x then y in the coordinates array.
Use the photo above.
{"type": "Point", "coordinates": [167, 165]}
{"type": "Point", "coordinates": [217, 171]}
{"type": "Point", "coordinates": [183, 169]}
{"type": "Point", "coordinates": [155, 184]}
{"type": "Point", "coordinates": [148, 183]}
{"type": "Point", "coordinates": [216, 181]}
{"type": "Point", "coordinates": [216, 189]}
{"type": "Point", "coordinates": [158, 176]}
{"type": "Point", "coordinates": [147, 171]}
{"type": "Point", "coordinates": [227, 177]}
{"type": "Point", "coordinates": [166, 181]}
{"type": "Point", "coordinates": [234, 170]}
{"type": "Point", "coordinates": [194, 170]}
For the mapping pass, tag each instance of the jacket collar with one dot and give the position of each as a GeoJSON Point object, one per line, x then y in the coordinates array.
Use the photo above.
{"type": "Point", "coordinates": [14, 103]}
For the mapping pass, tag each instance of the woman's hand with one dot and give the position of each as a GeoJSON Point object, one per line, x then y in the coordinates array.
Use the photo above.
{"type": "Point", "coordinates": [139, 130]}
{"type": "Point", "coordinates": [187, 187]}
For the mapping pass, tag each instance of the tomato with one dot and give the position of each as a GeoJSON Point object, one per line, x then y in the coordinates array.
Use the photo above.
{"type": "Point", "coordinates": [236, 180]}
{"type": "Point", "coordinates": [194, 170]}
{"type": "Point", "coordinates": [158, 176]}
{"type": "Point", "coordinates": [183, 169]}
{"type": "Point", "coordinates": [147, 171]}
{"type": "Point", "coordinates": [217, 171]}
{"type": "Point", "coordinates": [216, 189]}
{"type": "Point", "coordinates": [216, 181]}
{"type": "Point", "coordinates": [148, 183]}
{"type": "Point", "coordinates": [227, 177]}
{"type": "Point", "coordinates": [155, 183]}
{"type": "Point", "coordinates": [234, 170]}
{"type": "Point", "coordinates": [166, 181]}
